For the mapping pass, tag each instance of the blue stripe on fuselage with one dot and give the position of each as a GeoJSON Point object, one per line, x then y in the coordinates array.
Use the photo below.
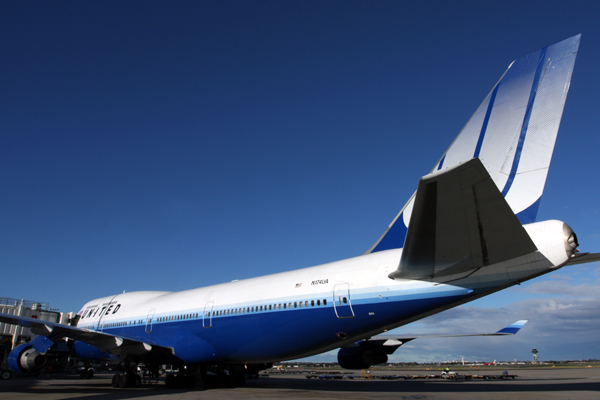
{"type": "Point", "coordinates": [265, 336]}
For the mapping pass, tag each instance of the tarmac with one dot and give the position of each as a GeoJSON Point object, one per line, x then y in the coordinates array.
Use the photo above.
{"type": "Point", "coordinates": [551, 383]}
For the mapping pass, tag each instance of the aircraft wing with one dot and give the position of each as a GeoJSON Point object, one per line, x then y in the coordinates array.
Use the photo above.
{"type": "Point", "coordinates": [111, 344]}
{"type": "Point", "coordinates": [395, 341]}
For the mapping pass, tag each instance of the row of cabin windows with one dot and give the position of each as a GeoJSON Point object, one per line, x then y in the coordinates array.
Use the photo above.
{"type": "Point", "coordinates": [115, 324]}
{"type": "Point", "coordinates": [177, 317]}
{"type": "Point", "coordinates": [234, 311]}
{"type": "Point", "coordinates": [271, 307]}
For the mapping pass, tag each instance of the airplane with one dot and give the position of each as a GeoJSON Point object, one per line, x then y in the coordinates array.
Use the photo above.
{"type": "Point", "coordinates": [468, 230]}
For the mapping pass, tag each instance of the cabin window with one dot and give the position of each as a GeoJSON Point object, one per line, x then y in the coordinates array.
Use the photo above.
{"type": "Point", "coordinates": [270, 307]}
{"type": "Point", "coordinates": [318, 302]}
{"type": "Point", "coordinates": [312, 303]}
{"type": "Point", "coordinates": [345, 300]}
{"type": "Point", "coordinates": [295, 305]}
{"type": "Point", "coordinates": [284, 306]}
{"type": "Point", "coordinates": [324, 302]}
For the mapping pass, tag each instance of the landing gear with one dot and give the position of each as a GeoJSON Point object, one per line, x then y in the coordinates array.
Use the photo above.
{"type": "Point", "coordinates": [217, 377]}
{"type": "Point", "coordinates": [86, 373]}
{"type": "Point", "coordinates": [180, 381]}
{"type": "Point", "coordinates": [130, 379]}
{"type": "Point", "coordinates": [127, 380]}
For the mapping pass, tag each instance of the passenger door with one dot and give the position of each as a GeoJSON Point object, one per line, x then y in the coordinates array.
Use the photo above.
{"type": "Point", "coordinates": [207, 317]}
{"type": "Point", "coordinates": [341, 301]}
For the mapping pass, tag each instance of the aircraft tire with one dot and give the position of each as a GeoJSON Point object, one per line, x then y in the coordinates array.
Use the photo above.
{"type": "Point", "coordinates": [170, 381]}
{"type": "Point", "coordinates": [137, 381]}
{"type": "Point", "coordinates": [211, 381]}
{"type": "Point", "coordinates": [116, 380]}
{"type": "Point", "coordinates": [188, 382]}
{"type": "Point", "coordinates": [89, 374]}
{"type": "Point", "coordinates": [228, 381]}
{"type": "Point", "coordinates": [123, 381]}
{"type": "Point", "coordinates": [240, 380]}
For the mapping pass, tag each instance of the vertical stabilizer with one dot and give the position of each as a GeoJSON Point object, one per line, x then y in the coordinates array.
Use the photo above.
{"type": "Point", "coordinates": [512, 132]}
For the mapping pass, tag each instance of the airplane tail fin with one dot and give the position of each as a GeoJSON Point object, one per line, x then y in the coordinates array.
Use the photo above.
{"type": "Point", "coordinates": [512, 132]}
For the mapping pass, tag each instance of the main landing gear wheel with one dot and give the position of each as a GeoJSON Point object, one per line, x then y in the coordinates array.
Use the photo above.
{"type": "Point", "coordinates": [86, 373]}
{"type": "Point", "coordinates": [126, 381]}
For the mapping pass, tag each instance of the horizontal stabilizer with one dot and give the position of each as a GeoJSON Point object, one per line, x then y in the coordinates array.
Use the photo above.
{"type": "Point", "coordinates": [583, 258]}
{"type": "Point", "coordinates": [460, 222]}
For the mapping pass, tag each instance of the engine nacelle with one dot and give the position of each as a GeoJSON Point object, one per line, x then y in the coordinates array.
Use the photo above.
{"type": "Point", "coordinates": [25, 360]}
{"type": "Point", "coordinates": [360, 357]}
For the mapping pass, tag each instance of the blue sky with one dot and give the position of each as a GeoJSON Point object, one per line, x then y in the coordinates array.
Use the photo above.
{"type": "Point", "coordinates": [165, 146]}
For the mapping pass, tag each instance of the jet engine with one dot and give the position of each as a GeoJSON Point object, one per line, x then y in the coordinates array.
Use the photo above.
{"type": "Point", "coordinates": [25, 360]}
